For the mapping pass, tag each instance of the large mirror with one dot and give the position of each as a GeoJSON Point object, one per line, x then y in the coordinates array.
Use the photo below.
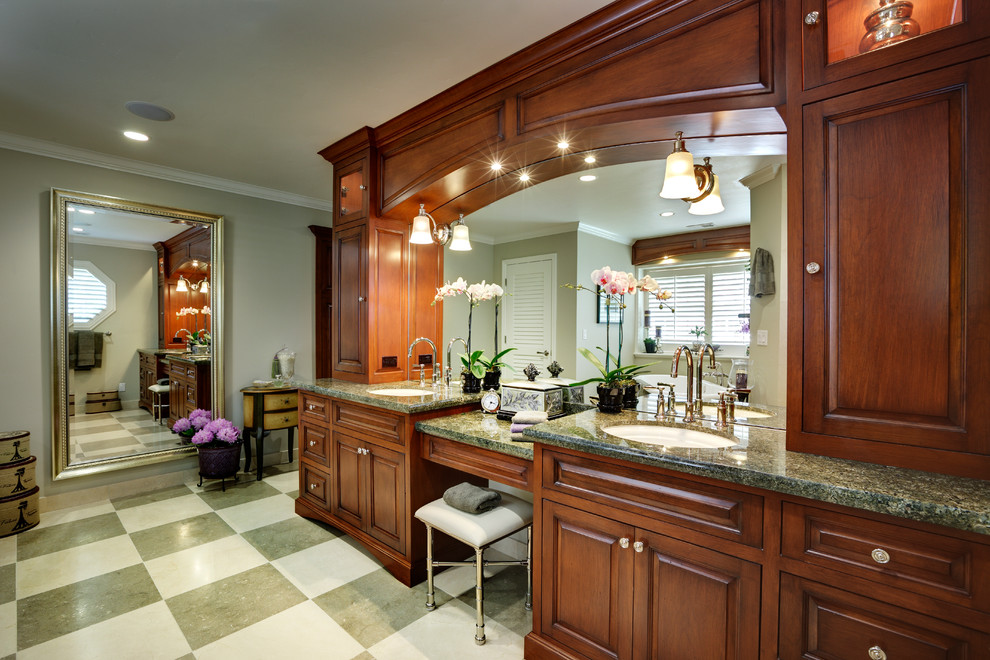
{"type": "Point", "coordinates": [137, 299]}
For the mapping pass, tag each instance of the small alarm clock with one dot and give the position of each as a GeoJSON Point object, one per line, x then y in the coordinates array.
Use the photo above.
{"type": "Point", "coordinates": [491, 401]}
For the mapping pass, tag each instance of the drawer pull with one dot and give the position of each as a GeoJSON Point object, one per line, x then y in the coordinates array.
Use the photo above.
{"type": "Point", "coordinates": [623, 542]}
{"type": "Point", "coordinates": [876, 653]}
{"type": "Point", "coordinates": [312, 443]}
{"type": "Point", "coordinates": [811, 18]}
{"type": "Point", "coordinates": [310, 407]}
{"type": "Point", "coordinates": [880, 556]}
{"type": "Point", "coordinates": [638, 546]}
{"type": "Point", "coordinates": [312, 486]}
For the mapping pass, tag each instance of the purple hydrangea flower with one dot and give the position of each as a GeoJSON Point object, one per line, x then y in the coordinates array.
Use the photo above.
{"type": "Point", "coordinates": [228, 434]}
{"type": "Point", "coordinates": [199, 423]}
{"type": "Point", "coordinates": [202, 437]}
{"type": "Point", "coordinates": [181, 424]}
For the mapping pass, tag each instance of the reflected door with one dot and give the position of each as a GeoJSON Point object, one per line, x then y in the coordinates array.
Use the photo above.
{"type": "Point", "coordinates": [529, 320]}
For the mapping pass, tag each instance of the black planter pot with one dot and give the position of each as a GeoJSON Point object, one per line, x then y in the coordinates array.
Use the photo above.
{"type": "Point", "coordinates": [629, 399]}
{"type": "Point", "coordinates": [219, 462]}
{"type": "Point", "coordinates": [492, 379]}
{"type": "Point", "coordinates": [470, 384]}
{"type": "Point", "coordinates": [610, 399]}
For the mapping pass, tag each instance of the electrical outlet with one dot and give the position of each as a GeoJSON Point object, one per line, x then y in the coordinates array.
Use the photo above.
{"type": "Point", "coordinates": [121, 387]}
{"type": "Point", "coordinates": [426, 358]}
{"type": "Point", "coordinates": [584, 333]}
{"type": "Point", "coordinates": [761, 337]}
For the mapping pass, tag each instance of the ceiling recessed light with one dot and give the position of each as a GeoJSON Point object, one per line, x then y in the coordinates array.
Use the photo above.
{"type": "Point", "coordinates": [86, 211]}
{"type": "Point", "coordinates": [563, 145]}
{"type": "Point", "coordinates": [666, 214]}
{"type": "Point", "coordinates": [524, 177]}
{"type": "Point", "coordinates": [134, 135]}
{"type": "Point", "coordinates": [590, 159]}
{"type": "Point", "coordinates": [149, 111]}
{"type": "Point", "coordinates": [78, 230]}
{"type": "Point", "coordinates": [496, 166]}
{"type": "Point", "coordinates": [588, 177]}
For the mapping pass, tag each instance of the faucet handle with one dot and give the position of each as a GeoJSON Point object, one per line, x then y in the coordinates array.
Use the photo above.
{"type": "Point", "coordinates": [421, 368]}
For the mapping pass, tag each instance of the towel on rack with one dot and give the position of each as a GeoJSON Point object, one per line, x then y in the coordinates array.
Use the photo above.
{"type": "Point", "coordinates": [88, 350]}
{"type": "Point", "coordinates": [471, 499]}
{"type": "Point", "coordinates": [761, 281]}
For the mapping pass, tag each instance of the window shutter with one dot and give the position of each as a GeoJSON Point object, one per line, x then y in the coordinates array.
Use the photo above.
{"type": "Point", "coordinates": [87, 295]}
{"type": "Point", "coordinates": [730, 298]}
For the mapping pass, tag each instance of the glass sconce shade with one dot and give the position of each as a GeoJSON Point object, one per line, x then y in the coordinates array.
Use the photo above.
{"type": "Point", "coordinates": [181, 285]}
{"type": "Point", "coordinates": [709, 205]}
{"type": "Point", "coordinates": [460, 241]}
{"type": "Point", "coordinates": [678, 180]}
{"type": "Point", "coordinates": [421, 231]}
{"type": "Point", "coordinates": [204, 287]}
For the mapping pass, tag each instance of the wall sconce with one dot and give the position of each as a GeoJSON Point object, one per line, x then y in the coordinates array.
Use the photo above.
{"type": "Point", "coordinates": [692, 183]}
{"type": "Point", "coordinates": [426, 230]}
{"type": "Point", "coordinates": [203, 286]}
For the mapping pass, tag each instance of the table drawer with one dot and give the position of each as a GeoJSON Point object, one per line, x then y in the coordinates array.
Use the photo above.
{"type": "Point", "coordinates": [369, 421]}
{"type": "Point", "coordinates": [314, 485]}
{"type": "Point", "coordinates": [281, 420]}
{"type": "Point", "coordinates": [281, 401]}
{"type": "Point", "coordinates": [315, 406]}
{"type": "Point", "coordinates": [935, 565]}
{"type": "Point", "coordinates": [314, 443]}
{"type": "Point", "coordinates": [819, 621]}
{"type": "Point", "coordinates": [703, 507]}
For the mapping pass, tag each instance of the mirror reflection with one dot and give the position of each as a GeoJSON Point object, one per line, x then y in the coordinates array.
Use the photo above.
{"type": "Point", "coordinates": [135, 292]}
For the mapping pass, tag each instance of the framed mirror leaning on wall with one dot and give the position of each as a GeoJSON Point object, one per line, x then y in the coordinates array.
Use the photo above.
{"type": "Point", "coordinates": [137, 300]}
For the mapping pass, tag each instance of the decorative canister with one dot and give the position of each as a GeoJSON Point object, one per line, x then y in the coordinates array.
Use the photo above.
{"type": "Point", "coordinates": [14, 446]}
{"type": "Point", "coordinates": [888, 24]}
{"type": "Point", "coordinates": [19, 513]}
{"type": "Point", "coordinates": [524, 395]}
{"type": "Point", "coordinates": [17, 477]}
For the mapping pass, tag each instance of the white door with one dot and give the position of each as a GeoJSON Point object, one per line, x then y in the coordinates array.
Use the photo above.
{"type": "Point", "coordinates": [529, 311]}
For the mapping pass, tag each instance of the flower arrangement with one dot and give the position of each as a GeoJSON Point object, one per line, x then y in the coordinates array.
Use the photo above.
{"type": "Point", "coordinates": [204, 431]}
{"type": "Point", "coordinates": [197, 336]}
{"type": "Point", "coordinates": [476, 294]}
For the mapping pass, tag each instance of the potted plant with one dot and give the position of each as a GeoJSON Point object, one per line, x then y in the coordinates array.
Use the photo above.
{"type": "Point", "coordinates": [198, 340]}
{"type": "Point", "coordinates": [472, 372]}
{"type": "Point", "coordinates": [476, 294]}
{"type": "Point", "coordinates": [493, 369]}
{"type": "Point", "coordinates": [699, 333]}
{"type": "Point", "coordinates": [217, 441]}
{"type": "Point", "coordinates": [650, 344]}
{"type": "Point", "coordinates": [612, 384]}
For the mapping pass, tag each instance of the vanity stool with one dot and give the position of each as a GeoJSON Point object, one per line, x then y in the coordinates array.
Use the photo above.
{"type": "Point", "coordinates": [479, 531]}
{"type": "Point", "coordinates": [159, 390]}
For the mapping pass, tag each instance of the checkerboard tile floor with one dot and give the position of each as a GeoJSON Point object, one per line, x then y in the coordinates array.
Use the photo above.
{"type": "Point", "coordinates": [118, 433]}
{"type": "Point", "coordinates": [191, 572]}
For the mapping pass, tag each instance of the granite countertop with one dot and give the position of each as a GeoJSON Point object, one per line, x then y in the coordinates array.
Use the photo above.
{"type": "Point", "coordinates": [364, 393]}
{"type": "Point", "coordinates": [761, 460]}
{"type": "Point", "coordinates": [478, 429]}
{"type": "Point", "coordinates": [188, 358]}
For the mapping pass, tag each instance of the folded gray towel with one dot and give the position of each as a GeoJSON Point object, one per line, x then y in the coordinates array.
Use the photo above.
{"type": "Point", "coordinates": [529, 417]}
{"type": "Point", "coordinates": [472, 499]}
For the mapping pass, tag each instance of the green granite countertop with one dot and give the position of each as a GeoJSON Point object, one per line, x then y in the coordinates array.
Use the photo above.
{"type": "Point", "coordinates": [479, 429]}
{"type": "Point", "coordinates": [761, 460]}
{"type": "Point", "coordinates": [364, 393]}
{"type": "Point", "coordinates": [188, 358]}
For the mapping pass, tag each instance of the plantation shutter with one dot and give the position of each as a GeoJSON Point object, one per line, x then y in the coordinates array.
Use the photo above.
{"type": "Point", "coordinates": [730, 298]}
{"type": "Point", "coordinates": [86, 295]}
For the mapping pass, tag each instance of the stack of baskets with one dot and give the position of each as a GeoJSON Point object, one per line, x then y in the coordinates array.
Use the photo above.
{"type": "Point", "coordinates": [18, 491]}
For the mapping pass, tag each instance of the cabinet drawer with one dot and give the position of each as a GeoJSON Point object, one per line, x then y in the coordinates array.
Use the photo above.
{"type": "Point", "coordinates": [818, 621]}
{"type": "Point", "coordinates": [315, 406]}
{"type": "Point", "coordinates": [703, 507]}
{"type": "Point", "coordinates": [369, 420]}
{"type": "Point", "coordinates": [191, 373]}
{"type": "Point", "coordinates": [314, 484]}
{"type": "Point", "coordinates": [314, 443]}
{"type": "Point", "coordinates": [177, 369]}
{"type": "Point", "coordinates": [927, 563]}
{"type": "Point", "coordinates": [281, 420]}
{"type": "Point", "coordinates": [281, 401]}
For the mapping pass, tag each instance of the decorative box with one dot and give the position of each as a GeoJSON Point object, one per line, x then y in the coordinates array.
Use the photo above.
{"type": "Point", "coordinates": [14, 446]}
{"type": "Point", "coordinates": [572, 393]}
{"type": "Point", "coordinates": [19, 513]}
{"type": "Point", "coordinates": [107, 401]}
{"type": "Point", "coordinates": [535, 396]}
{"type": "Point", "coordinates": [17, 478]}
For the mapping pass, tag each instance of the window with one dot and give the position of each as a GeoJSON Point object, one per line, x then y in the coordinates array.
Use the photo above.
{"type": "Point", "coordinates": [713, 295]}
{"type": "Point", "coordinates": [91, 296]}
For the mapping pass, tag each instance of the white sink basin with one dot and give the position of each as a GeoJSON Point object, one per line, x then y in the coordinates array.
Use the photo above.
{"type": "Point", "coordinates": [401, 391]}
{"type": "Point", "coordinates": [668, 436]}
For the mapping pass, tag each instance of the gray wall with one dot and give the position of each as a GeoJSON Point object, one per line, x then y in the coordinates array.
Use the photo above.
{"type": "Point", "coordinates": [269, 290]}
{"type": "Point", "coordinates": [473, 266]}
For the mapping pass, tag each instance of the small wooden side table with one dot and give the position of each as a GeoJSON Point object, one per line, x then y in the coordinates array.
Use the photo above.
{"type": "Point", "coordinates": [266, 409]}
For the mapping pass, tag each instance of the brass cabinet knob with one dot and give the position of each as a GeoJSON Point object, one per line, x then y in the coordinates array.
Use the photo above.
{"type": "Point", "coordinates": [638, 546]}
{"type": "Point", "coordinates": [813, 267]}
{"type": "Point", "coordinates": [880, 555]}
{"type": "Point", "coordinates": [876, 653]}
{"type": "Point", "coordinates": [812, 18]}
{"type": "Point", "coordinates": [623, 543]}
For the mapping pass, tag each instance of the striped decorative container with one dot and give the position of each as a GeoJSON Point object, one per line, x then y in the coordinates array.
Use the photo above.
{"type": "Point", "coordinates": [17, 478]}
{"type": "Point", "coordinates": [19, 513]}
{"type": "Point", "coordinates": [15, 446]}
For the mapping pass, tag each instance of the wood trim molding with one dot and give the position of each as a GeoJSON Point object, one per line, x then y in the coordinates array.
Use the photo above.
{"type": "Point", "coordinates": [649, 250]}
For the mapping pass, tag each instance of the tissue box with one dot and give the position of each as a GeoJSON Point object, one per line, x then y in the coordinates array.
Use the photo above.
{"type": "Point", "coordinates": [572, 393]}
{"type": "Point", "coordinates": [524, 395]}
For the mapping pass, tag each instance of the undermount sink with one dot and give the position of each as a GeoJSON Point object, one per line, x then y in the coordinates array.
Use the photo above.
{"type": "Point", "coordinates": [668, 436]}
{"type": "Point", "coordinates": [401, 391]}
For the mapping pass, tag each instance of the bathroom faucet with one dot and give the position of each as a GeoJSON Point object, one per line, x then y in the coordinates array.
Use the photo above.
{"type": "Point", "coordinates": [713, 364]}
{"type": "Point", "coordinates": [689, 404]}
{"type": "Point", "coordinates": [422, 371]}
{"type": "Point", "coordinates": [450, 345]}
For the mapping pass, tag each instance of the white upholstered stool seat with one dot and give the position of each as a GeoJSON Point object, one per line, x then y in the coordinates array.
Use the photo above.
{"type": "Point", "coordinates": [478, 530]}
{"type": "Point", "coordinates": [157, 390]}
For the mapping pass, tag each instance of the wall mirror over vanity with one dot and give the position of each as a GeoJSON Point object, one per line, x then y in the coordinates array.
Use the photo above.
{"type": "Point", "coordinates": [137, 293]}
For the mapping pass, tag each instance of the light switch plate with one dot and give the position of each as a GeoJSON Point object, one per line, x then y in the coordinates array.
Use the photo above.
{"type": "Point", "coordinates": [584, 333]}
{"type": "Point", "coordinates": [761, 337]}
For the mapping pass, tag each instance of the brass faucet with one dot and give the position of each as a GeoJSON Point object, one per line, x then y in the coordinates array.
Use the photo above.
{"type": "Point", "coordinates": [689, 403]}
{"type": "Point", "coordinates": [699, 402]}
{"type": "Point", "coordinates": [422, 368]}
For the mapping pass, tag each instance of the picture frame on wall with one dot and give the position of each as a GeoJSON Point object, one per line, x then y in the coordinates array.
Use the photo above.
{"type": "Point", "coordinates": [613, 313]}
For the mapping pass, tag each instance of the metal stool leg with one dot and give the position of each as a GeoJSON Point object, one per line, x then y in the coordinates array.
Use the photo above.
{"type": "Point", "coordinates": [479, 595]}
{"type": "Point", "coordinates": [529, 567]}
{"type": "Point", "coordinates": [430, 604]}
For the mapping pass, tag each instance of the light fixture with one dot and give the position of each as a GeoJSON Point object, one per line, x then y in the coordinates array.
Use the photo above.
{"type": "Point", "coordinates": [689, 182]}
{"type": "Point", "coordinates": [708, 204]}
{"type": "Point", "coordinates": [426, 230]}
{"type": "Point", "coordinates": [588, 177]}
{"type": "Point", "coordinates": [203, 286]}
{"type": "Point", "coordinates": [524, 177]}
{"type": "Point", "coordinates": [181, 285]}
{"type": "Point", "coordinates": [134, 135]}
{"type": "Point", "coordinates": [496, 166]}
{"type": "Point", "coordinates": [590, 159]}
{"type": "Point", "coordinates": [78, 230]}
{"type": "Point", "coordinates": [563, 144]}
{"type": "Point", "coordinates": [666, 214]}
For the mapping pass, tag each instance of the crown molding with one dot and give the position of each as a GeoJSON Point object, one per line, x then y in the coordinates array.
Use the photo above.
{"type": "Point", "coordinates": [759, 177]}
{"type": "Point", "coordinates": [602, 233]}
{"type": "Point", "coordinates": [111, 243]}
{"type": "Point", "coordinates": [131, 166]}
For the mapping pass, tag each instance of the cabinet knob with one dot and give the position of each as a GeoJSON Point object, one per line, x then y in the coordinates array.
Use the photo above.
{"type": "Point", "coordinates": [312, 486]}
{"type": "Point", "coordinates": [880, 555]}
{"type": "Point", "coordinates": [638, 546]}
{"type": "Point", "coordinates": [360, 298]}
{"type": "Point", "coordinates": [312, 443]}
{"type": "Point", "coordinates": [813, 267]}
{"type": "Point", "coordinates": [363, 187]}
{"type": "Point", "coordinates": [876, 653]}
{"type": "Point", "coordinates": [623, 542]}
{"type": "Point", "coordinates": [343, 211]}
{"type": "Point", "coordinates": [811, 18]}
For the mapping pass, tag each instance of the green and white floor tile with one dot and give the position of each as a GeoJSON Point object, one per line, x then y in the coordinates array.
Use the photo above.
{"type": "Point", "coordinates": [189, 572]}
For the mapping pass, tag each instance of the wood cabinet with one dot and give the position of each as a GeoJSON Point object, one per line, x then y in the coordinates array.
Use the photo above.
{"type": "Point", "coordinates": [189, 388]}
{"type": "Point", "coordinates": [151, 368]}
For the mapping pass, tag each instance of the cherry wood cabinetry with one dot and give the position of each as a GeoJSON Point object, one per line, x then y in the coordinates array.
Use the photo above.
{"type": "Point", "coordinates": [324, 300]}
{"type": "Point", "coordinates": [151, 368]}
{"type": "Point", "coordinates": [189, 388]}
{"type": "Point", "coordinates": [184, 255]}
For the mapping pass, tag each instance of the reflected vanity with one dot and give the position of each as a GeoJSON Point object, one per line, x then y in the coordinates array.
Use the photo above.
{"type": "Point", "coordinates": [137, 293]}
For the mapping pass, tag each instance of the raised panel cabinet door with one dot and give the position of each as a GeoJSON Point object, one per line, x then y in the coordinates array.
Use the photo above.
{"type": "Point", "coordinates": [587, 582]}
{"type": "Point", "coordinates": [347, 495]}
{"type": "Point", "coordinates": [349, 334]}
{"type": "Point", "coordinates": [693, 602]}
{"type": "Point", "coordinates": [386, 515]}
{"type": "Point", "coordinates": [314, 443]}
{"type": "Point", "coordinates": [895, 302]}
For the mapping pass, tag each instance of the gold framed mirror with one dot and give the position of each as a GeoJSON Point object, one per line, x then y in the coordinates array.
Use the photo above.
{"type": "Point", "coordinates": [128, 279]}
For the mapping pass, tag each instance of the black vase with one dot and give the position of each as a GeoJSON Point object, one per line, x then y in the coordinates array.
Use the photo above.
{"type": "Point", "coordinates": [610, 398]}
{"type": "Point", "coordinates": [629, 398]}
{"type": "Point", "coordinates": [219, 462]}
{"type": "Point", "coordinates": [492, 379]}
{"type": "Point", "coordinates": [470, 384]}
